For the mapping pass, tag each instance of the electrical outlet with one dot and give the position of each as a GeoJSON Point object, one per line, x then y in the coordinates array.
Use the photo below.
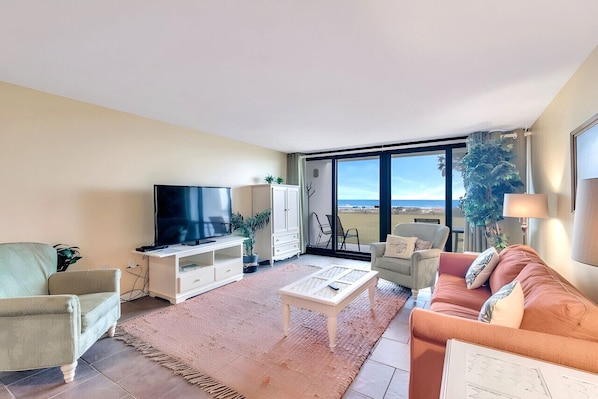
{"type": "Point", "coordinates": [132, 264]}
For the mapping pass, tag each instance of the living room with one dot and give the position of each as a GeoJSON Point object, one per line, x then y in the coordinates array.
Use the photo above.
{"type": "Point", "coordinates": [82, 174]}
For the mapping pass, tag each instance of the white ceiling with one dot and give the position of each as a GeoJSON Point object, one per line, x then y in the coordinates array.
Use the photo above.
{"type": "Point", "coordinates": [304, 75]}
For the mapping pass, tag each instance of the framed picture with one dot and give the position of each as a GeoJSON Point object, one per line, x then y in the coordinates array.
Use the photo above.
{"type": "Point", "coordinates": [584, 154]}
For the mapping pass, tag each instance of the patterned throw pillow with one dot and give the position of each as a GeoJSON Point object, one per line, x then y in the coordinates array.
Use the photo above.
{"type": "Point", "coordinates": [505, 308]}
{"type": "Point", "coordinates": [421, 245]}
{"type": "Point", "coordinates": [481, 268]}
{"type": "Point", "coordinates": [399, 247]}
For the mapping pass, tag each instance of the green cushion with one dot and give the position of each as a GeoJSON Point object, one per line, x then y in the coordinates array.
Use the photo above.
{"type": "Point", "coordinates": [25, 268]}
{"type": "Point", "coordinates": [95, 306]}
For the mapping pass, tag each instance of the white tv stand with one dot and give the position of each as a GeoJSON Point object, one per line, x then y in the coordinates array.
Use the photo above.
{"type": "Point", "coordinates": [180, 272]}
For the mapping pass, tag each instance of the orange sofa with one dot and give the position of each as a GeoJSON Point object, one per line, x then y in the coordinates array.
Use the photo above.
{"type": "Point", "coordinates": [559, 324]}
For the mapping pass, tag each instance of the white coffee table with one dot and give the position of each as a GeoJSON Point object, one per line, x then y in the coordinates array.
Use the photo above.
{"type": "Point", "coordinates": [313, 293]}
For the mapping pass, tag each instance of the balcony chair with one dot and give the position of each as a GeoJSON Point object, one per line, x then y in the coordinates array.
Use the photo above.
{"type": "Point", "coordinates": [418, 271]}
{"type": "Point", "coordinates": [343, 234]}
{"type": "Point", "coordinates": [324, 230]}
{"type": "Point", "coordinates": [426, 220]}
{"type": "Point", "coordinates": [49, 318]}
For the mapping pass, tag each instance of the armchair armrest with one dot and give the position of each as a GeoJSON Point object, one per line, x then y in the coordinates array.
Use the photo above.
{"type": "Point", "coordinates": [425, 254]}
{"type": "Point", "coordinates": [39, 305]}
{"type": "Point", "coordinates": [455, 263]}
{"type": "Point", "coordinates": [84, 282]}
{"type": "Point", "coordinates": [39, 331]}
{"type": "Point", "coordinates": [377, 249]}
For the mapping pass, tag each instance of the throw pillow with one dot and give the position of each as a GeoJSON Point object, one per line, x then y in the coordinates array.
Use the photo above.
{"type": "Point", "coordinates": [421, 245]}
{"type": "Point", "coordinates": [480, 269]}
{"type": "Point", "coordinates": [505, 308]}
{"type": "Point", "coordinates": [399, 247]}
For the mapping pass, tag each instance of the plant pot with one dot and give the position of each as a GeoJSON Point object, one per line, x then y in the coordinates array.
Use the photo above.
{"type": "Point", "coordinates": [250, 263]}
{"type": "Point", "coordinates": [250, 269]}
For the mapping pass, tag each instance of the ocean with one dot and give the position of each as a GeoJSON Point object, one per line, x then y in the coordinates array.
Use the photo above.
{"type": "Point", "coordinates": [395, 203]}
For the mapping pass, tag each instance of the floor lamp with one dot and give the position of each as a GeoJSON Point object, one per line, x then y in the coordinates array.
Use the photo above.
{"type": "Point", "coordinates": [525, 206]}
{"type": "Point", "coordinates": [585, 223]}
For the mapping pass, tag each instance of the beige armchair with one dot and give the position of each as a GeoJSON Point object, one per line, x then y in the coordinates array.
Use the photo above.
{"type": "Point", "coordinates": [420, 270]}
{"type": "Point", "coordinates": [47, 318]}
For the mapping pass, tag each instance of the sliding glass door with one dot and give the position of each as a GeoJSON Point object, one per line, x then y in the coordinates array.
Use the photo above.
{"type": "Point", "coordinates": [356, 200]}
{"type": "Point", "coordinates": [357, 204]}
{"type": "Point", "coordinates": [418, 188]}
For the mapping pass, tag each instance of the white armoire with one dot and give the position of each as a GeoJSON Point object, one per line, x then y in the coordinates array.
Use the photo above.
{"type": "Point", "coordinates": [280, 238]}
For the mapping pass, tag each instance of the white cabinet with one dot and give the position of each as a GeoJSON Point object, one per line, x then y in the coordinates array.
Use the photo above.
{"type": "Point", "coordinates": [280, 238]}
{"type": "Point", "coordinates": [180, 272]}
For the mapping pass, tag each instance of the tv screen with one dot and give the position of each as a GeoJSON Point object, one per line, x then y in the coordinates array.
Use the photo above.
{"type": "Point", "coordinates": [191, 214]}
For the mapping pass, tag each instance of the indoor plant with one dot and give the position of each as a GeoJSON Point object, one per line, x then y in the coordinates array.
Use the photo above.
{"type": "Point", "coordinates": [247, 226]}
{"type": "Point", "coordinates": [488, 174]}
{"type": "Point", "coordinates": [66, 256]}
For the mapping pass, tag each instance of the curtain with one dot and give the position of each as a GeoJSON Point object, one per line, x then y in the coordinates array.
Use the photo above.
{"type": "Point", "coordinates": [296, 176]}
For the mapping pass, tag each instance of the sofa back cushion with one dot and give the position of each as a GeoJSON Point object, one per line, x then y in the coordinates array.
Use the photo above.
{"type": "Point", "coordinates": [511, 261]}
{"type": "Point", "coordinates": [554, 306]}
{"type": "Point", "coordinates": [25, 268]}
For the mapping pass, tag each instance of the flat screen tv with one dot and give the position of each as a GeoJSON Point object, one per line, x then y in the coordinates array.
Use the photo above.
{"type": "Point", "coordinates": [191, 215]}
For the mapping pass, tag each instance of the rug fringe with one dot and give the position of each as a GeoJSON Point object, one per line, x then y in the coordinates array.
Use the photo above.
{"type": "Point", "coordinates": [205, 382]}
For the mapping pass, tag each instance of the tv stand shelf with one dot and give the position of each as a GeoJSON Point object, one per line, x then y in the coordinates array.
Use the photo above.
{"type": "Point", "coordinates": [180, 272]}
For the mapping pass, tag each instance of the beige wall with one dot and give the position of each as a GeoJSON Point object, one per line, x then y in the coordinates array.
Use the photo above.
{"type": "Point", "coordinates": [83, 175]}
{"type": "Point", "coordinates": [551, 173]}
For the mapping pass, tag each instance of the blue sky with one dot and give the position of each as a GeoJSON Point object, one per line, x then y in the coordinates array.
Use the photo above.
{"type": "Point", "coordinates": [413, 177]}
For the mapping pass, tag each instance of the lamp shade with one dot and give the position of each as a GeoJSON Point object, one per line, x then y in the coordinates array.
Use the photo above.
{"type": "Point", "coordinates": [525, 205]}
{"type": "Point", "coordinates": [585, 223]}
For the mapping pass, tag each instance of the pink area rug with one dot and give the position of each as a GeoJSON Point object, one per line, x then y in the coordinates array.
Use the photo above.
{"type": "Point", "coordinates": [230, 340]}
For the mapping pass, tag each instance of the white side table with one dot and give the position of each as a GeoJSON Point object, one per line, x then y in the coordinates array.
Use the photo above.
{"type": "Point", "coordinates": [473, 371]}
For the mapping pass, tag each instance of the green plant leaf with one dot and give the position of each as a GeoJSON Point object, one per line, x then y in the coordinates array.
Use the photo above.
{"type": "Point", "coordinates": [488, 174]}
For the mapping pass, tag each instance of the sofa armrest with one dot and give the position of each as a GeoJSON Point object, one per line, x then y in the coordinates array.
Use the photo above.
{"type": "Point", "coordinates": [455, 263]}
{"type": "Point", "coordinates": [84, 282]}
{"type": "Point", "coordinates": [431, 330]}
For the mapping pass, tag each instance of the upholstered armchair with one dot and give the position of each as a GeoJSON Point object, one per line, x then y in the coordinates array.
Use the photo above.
{"type": "Point", "coordinates": [419, 270]}
{"type": "Point", "coordinates": [47, 318]}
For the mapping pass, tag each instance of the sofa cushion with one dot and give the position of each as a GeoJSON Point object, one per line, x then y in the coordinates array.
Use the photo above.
{"type": "Point", "coordinates": [512, 260]}
{"type": "Point", "coordinates": [505, 308]}
{"type": "Point", "coordinates": [451, 289]}
{"type": "Point", "coordinates": [95, 306]}
{"type": "Point", "coordinates": [480, 269]}
{"type": "Point", "coordinates": [554, 306]}
{"type": "Point", "coordinates": [455, 310]}
{"type": "Point", "coordinates": [399, 247]}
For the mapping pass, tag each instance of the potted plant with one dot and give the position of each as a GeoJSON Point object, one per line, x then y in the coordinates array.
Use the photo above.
{"type": "Point", "coordinates": [67, 256]}
{"type": "Point", "coordinates": [247, 227]}
{"type": "Point", "coordinates": [488, 174]}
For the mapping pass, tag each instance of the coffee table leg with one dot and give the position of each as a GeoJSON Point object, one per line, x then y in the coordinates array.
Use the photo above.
{"type": "Point", "coordinates": [332, 332]}
{"type": "Point", "coordinates": [286, 318]}
{"type": "Point", "coordinates": [372, 290]}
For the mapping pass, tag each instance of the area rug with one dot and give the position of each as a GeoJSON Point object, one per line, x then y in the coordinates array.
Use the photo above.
{"type": "Point", "coordinates": [230, 340]}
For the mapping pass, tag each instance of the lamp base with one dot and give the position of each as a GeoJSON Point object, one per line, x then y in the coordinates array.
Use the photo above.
{"type": "Point", "coordinates": [524, 229]}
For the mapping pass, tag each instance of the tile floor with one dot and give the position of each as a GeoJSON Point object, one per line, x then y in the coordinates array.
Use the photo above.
{"type": "Point", "coordinates": [110, 369]}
